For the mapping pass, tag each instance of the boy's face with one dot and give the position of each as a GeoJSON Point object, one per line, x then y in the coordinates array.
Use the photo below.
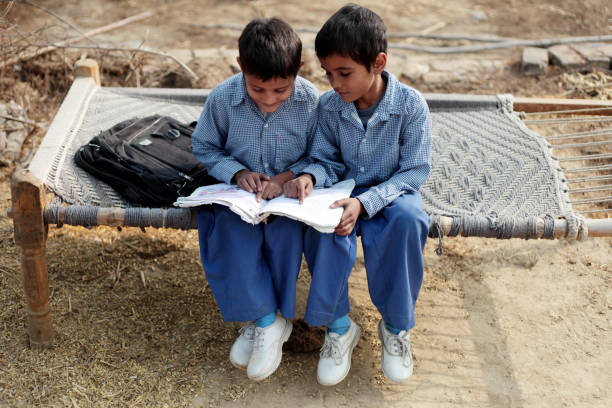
{"type": "Point", "coordinates": [350, 79]}
{"type": "Point", "coordinates": [269, 94]}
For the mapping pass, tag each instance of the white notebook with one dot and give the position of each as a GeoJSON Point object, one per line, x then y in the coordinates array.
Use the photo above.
{"type": "Point", "coordinates": [314, 211]}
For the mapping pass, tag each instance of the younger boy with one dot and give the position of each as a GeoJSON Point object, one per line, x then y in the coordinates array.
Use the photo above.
{"type": "Point", "coordinates": [377, 131]}
{"type": "Point", "coordinates": [254, 131]}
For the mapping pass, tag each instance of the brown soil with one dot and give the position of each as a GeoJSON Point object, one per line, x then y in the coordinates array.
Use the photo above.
{"type": "Point", "coordinates": [499, 323]}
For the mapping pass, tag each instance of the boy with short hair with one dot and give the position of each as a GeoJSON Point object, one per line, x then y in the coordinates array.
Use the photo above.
{"type": "Point", "coordinates": [377, 131]}
{"type": "Point", "coordinates": [254, 131]}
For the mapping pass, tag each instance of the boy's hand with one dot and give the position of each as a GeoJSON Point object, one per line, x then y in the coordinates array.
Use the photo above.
{"type": "Point", "coordinates": [352, 209]}
{"type": "Point", "coordinates": [299, 187]}
{"type": "Point", "coordinates": [250, 181]}
{"type": "Point", "coordinates": [270, 189]}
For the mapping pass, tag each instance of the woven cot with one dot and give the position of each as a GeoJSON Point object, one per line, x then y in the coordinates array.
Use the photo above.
{"type": "Point", "coordinates": [491, 176]}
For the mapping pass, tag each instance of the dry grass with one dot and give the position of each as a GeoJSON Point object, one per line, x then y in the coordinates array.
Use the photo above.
{"type": "Point", "coordinates": [136, 324]}
{"type": "Point", "coordinates": [590, 85]}
{"type": "Point", "coordinates": [595, 85]}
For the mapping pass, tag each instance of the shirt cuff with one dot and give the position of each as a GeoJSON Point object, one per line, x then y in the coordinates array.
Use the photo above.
{"type": "Point", "coordinates": [314, 181]}
{"type": "Point", "coordinates": [371, 201]}
{"type": "Point", "coordinates": [225, 170]}
{"type": "Point", "coordinates": [297, 168]}
{"type": "Point", "coordinates": [319, 174]}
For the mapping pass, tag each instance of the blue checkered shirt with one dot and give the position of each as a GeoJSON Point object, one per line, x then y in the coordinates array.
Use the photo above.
{"type": "Point", "coordinates": [391, 157]}
{"type": "Point", "coordinates": [232, 133]}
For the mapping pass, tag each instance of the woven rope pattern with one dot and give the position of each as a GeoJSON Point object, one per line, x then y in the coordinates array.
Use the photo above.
{"type": "Point", "coordinates": [106, 108]}
{"type": "Point", "coordinates": [490, 173]}
{"type": "Point", "coordinates": [484, 163]}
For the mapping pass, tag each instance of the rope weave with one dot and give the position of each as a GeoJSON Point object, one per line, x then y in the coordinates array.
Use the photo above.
{"type": "Point", "coordinates": [576, 227]}
{"type": "Point", "coordinates": [490, 174]}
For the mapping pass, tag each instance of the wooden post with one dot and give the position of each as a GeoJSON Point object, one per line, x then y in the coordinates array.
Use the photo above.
{"type": "Point", "coordinates": [30, 231]}
{"type": "Point", "coordinates": [87, 68]}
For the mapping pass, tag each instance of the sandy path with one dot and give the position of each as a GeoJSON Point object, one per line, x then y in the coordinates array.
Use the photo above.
{"type": "Point", "coordinates": [500, 323]}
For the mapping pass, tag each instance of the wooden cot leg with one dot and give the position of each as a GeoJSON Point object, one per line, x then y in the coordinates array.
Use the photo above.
{"type": "Point", "coordinates": [30, 234]}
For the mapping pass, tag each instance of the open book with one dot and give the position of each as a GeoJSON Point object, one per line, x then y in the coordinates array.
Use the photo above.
{"type": "Point", "coordinates": [314, 211]}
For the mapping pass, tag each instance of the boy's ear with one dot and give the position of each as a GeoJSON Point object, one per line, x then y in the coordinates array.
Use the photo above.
{"type": "Point", "coordinates": [380, 62]}
{"type": "Point", "coordinates": [238, 61]}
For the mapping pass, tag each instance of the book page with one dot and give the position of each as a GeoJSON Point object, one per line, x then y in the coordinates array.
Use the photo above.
{"type": "Point", "coordinates": [240, 201]}
{"type": "Point", "coordinates": [315, 210]}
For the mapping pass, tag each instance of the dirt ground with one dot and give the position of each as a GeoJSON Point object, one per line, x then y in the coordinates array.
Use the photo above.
{"type": "Point", "coordinates": [499, 323]}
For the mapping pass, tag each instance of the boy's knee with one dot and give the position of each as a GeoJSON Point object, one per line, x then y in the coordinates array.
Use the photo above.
{"type": "Point", "coordinates": [411, 220]}
{"type": "Point", "coordinates": [205, 219]}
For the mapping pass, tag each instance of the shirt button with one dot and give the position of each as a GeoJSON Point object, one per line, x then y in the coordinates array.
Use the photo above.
{"type": "Point", "coordinates": [362, 169]}
{"type": "Point", "coordinates": [266, 165]}
{"type": "Point", "coordinates": [365, 139]}
{"type": "Point", "coordinates": [266, 125]}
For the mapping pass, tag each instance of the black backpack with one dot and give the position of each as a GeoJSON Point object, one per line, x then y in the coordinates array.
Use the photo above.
{"type": "Point", "coordinates": [148, 160]}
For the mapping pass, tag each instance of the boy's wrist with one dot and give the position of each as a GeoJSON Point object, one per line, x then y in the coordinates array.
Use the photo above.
{"type": "Point", "coordinates": [305, 175]}
{"type": "Point", "coordinates": [238, 174]}
{"type": "Point", "coordinates": [362, 209]}
{"type": "Point", "coordinates": [283, 177]}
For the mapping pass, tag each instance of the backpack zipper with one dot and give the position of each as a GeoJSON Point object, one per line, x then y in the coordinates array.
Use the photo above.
{"type": "Point", "coordinates": [160, 162]}
{"type": "Point", "coordinates": [143, 130]}
{"type": "Point", "coordinates": [166, 165]}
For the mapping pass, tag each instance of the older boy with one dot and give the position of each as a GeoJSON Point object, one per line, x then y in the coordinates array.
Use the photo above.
{"type": "Point", "coordinates": [378, 131]}
{"type": "Point", "coordinates": [254, 131]}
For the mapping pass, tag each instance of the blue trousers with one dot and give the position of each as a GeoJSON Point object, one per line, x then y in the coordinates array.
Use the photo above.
{"type": "Point", "coordinates": [252, 270]}
{"type": "Point", "coordinates": [393, 241]}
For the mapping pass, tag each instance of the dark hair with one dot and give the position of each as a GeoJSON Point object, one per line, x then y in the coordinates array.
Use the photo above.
{"type": "Point", "coordinates": [353, 31]}
{"type": "Point", "coordinates": [269, 48]}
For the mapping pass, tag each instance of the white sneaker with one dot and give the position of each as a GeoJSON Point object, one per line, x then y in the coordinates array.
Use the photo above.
{"type": "Point", "coordinates": [335, 358]}
{"type": "Point", "coordinates": [243, 346]}
{"type": "Point", "coordinates": [396, 358]}
{"type": "Point", "coordinates": [268, 348]}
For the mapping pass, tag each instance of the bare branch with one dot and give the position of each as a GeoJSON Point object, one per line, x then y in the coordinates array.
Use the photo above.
{"type": "Point", "coordinates": [26, 121]}
{"type": "Point", "coordinates": [51, 13]}
{"type": "Point", "coordinates": [90, 33]}
{"type": "Point", "coordinates": [135, 50]}
{"type": "Point", "coordinates": [8, 8]}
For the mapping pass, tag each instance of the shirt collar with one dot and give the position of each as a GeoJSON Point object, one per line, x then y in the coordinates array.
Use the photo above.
{"type": "Point", "coordinates": [389, 104]}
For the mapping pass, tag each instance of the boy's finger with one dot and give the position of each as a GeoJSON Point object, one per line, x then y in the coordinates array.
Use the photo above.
{"type": "Point", "coordinates": [344, 229]}
{"type": "Point", "coordinates": [264, 177]}
{"type": "Point", "coordinates": [344, 222]}
{"type": "Point", "coordinates": [293, 191]}
{"type": "Point", "coordinates": [245, 185]}
{"type": "Point", "coordinates": [306, 189]}
{"type": "Point", "coordinates": [338, 203]}
{"type": "Point", "coordinates": [257, 181]}
{"type": "Point", "coordinates": [340, 231]}
{"type": "Point", "coordinates": [251, 184]}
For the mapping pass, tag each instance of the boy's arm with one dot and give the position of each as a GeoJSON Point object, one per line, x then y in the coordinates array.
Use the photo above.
{"type": "Point", "coordinates": [414, 161]}
{"type": "Point", "coordinates": [327, 167]}
{"type": "Point", "coordinates": [299, 166]}
{"type": "Point", "coordinates": [299, 187]}
{"type": "Point", "coordinates": [209, 138]}
{"type": "Point", "coordinates": [273, 187]}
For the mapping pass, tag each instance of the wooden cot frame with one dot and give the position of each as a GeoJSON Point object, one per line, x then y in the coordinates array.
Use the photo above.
{"type": "Point", "coordinates": [30, 228]}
